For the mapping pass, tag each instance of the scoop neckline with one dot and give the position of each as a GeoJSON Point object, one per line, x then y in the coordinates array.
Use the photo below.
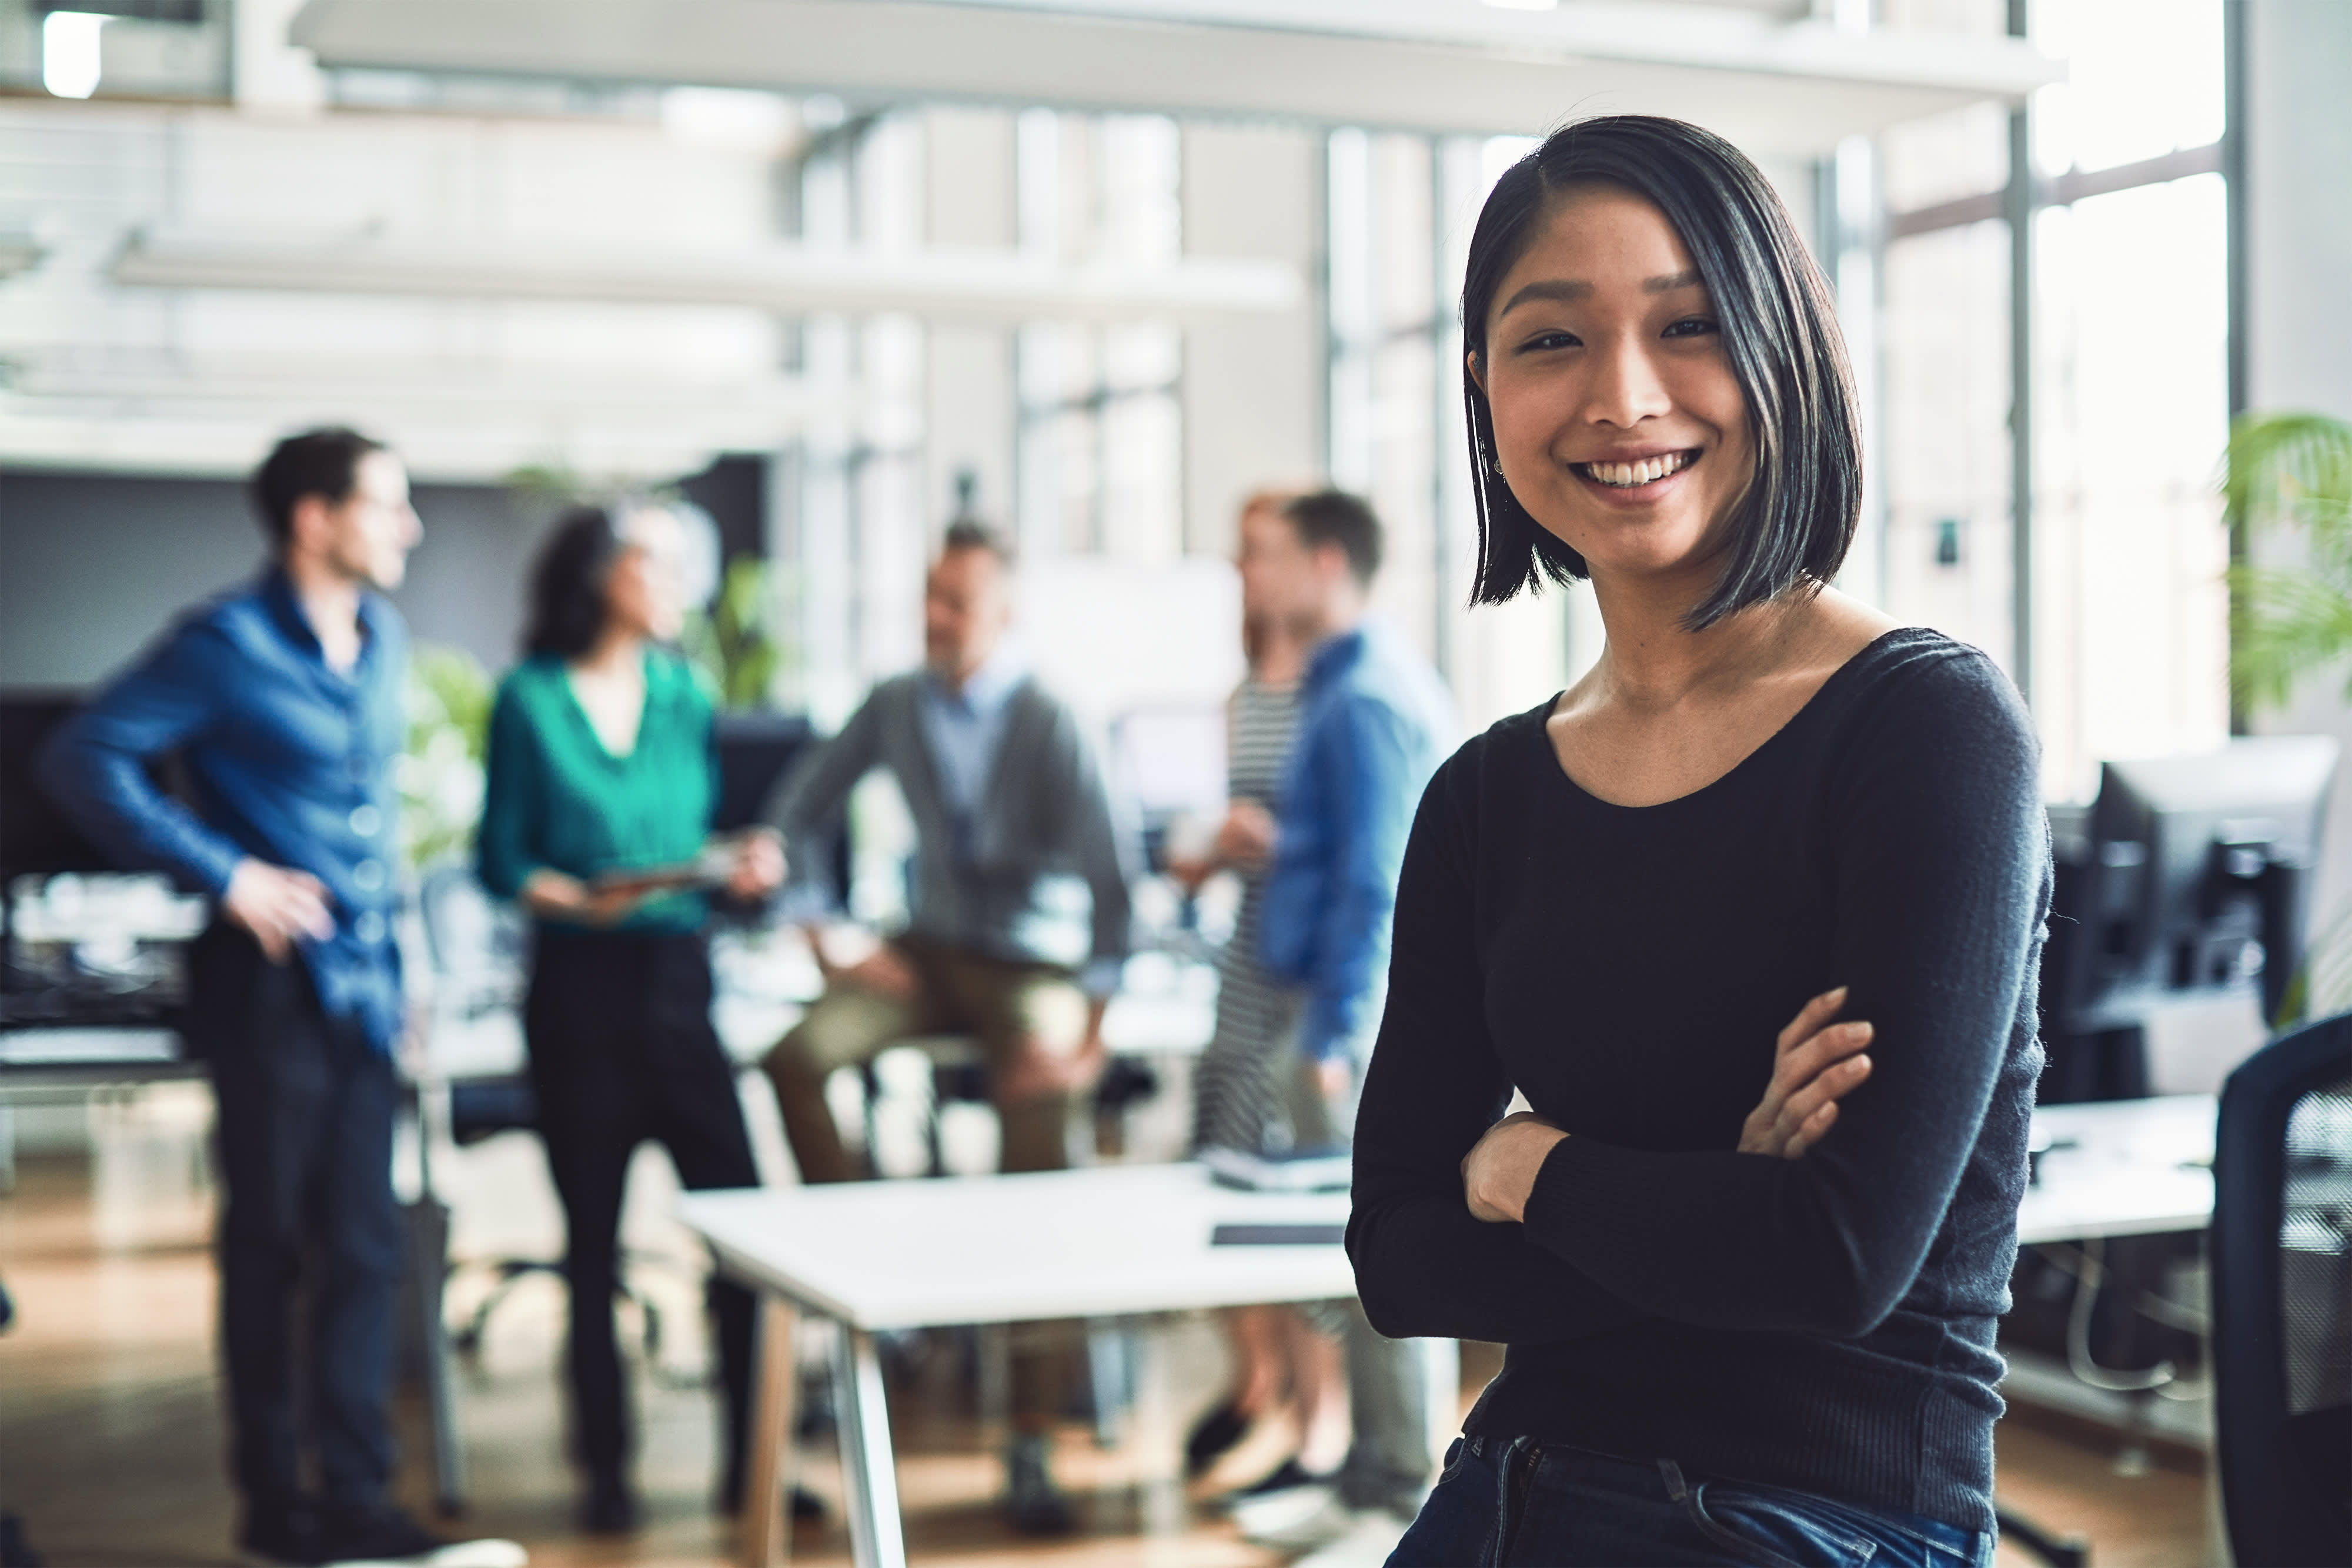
{"type": "Point", "coordinates": [1860, 655]}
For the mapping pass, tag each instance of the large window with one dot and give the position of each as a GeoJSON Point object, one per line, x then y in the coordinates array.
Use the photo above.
{"type": "Point", "coordinates": [1100, 458]}
{"type": "Point", "coordinates": [2128, 385]}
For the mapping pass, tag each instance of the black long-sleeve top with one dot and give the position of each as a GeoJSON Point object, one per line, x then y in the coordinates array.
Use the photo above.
{"type": "Point", "coordinates": [1824, 1324]}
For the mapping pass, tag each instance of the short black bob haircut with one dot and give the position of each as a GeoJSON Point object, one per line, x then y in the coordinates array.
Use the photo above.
{"type": "Point", "coordinates": [323, 461]}
{"type": "Point", "coordinates": [1322, 517]}
{"type": "Point", "coordinates": [1779, 332]}
{"type": "Point", "coordinates": [567, 581]}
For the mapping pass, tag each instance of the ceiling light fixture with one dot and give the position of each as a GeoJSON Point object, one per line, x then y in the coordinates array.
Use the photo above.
{"type": "Point", "coordinates": [69, 52]}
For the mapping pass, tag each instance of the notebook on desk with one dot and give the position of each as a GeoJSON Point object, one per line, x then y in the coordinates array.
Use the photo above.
{"type": "Point", "coordinates": [1308, 1170]}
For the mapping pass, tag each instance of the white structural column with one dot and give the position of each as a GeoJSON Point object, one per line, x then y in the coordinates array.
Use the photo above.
{"type": "Point", "coordinates": [970, 198]}
{"type": "Point", "coordinates": [2298, 143]}
{"type": "Point", "coordinates": [1252, 388]}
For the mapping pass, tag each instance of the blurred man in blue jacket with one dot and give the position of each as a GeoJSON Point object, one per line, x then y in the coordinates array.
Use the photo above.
{"type": "Point", "coordinates": [283, 700]}
{"type": "Point", "coordinates": [1372, 722]}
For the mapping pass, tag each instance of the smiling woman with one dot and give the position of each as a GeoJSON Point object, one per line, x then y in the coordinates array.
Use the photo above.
{"type": "Point", "coordinates": [1729, 309]}
{"type": "Point", "coordinates": [1748, 1275]}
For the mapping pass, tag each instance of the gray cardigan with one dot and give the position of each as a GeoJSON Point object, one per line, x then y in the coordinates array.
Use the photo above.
{"type": "Point", "coordinates": [1043, 811]}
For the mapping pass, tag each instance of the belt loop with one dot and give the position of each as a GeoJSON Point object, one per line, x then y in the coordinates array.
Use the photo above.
{"type": "Point", "coordinates": [1672, 1474]}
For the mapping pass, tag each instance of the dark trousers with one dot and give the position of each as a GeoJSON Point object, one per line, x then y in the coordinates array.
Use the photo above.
{"type": "Point", "coordinates": [304, 1142]}
{"type": "Point", "coordinates": [621, 1050]}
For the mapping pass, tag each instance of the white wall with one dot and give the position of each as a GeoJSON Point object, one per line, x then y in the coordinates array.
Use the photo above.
{"type": "Point", "coordinates": [2299, 191]}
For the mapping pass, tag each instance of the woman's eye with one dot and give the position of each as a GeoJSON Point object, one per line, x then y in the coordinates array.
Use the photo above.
{"type": "Point", "coordinates": [1545, 341]}
{"type": "Point", "coordinates": [1691, 326]}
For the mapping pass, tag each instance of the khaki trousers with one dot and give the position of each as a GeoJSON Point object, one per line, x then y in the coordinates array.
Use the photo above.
{"type": "Point", "coordinates": [1010, 1008]}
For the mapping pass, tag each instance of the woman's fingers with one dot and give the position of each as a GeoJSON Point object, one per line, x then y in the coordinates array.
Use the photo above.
{"type": "Point", "coordinates": [1798, 1112]}
{"type": "Point", "coordinates": [1818, 1054]}
{"type": "Point", "coordinates": [1810, 1017]}
{"type": "Point", "coordinates": [1806, 1137]}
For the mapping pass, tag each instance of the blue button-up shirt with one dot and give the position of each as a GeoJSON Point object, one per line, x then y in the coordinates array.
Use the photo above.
{"type": "Point", "coordinates": [290, 761]}
{"type": "Point", "coordinates": [1371, 719]}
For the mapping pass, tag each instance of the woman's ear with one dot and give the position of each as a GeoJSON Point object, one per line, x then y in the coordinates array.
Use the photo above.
{"type": "Point", "coordinates": [1478, 375]}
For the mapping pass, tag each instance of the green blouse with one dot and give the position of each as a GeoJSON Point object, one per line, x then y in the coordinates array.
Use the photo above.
{"type": "Point", "coordinates": [557, 800]}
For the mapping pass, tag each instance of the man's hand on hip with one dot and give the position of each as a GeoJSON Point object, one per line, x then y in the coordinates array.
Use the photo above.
{"type": "Point", "coordinates": [278, 906]}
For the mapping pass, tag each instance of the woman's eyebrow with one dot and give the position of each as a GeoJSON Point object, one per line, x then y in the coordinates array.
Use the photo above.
{"type": "Point", "coordinates": [1565, 289]}
{"type": "Point", "coordinates": [1545, 288]}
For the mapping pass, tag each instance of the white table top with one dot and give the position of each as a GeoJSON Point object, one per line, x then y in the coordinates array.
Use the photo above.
{"type": "Point", "coordinates": [2123, 1168]}
{"type": "Point", "coordinates": [1135, 1238]}
{"type": "Point", "coordinates": [1100, 1242]}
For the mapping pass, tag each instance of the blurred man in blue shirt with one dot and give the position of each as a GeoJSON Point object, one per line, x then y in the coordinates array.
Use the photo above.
{"type": "Point", "coordinates": [283, 701]}
{"type": "Point", "coordinates": [1373, 719]}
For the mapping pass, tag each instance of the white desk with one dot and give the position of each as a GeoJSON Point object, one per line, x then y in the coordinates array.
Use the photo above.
{"type": "Point", "coordinates": [1118, 1240]}
{"type": "Point", "coordinates": [2123, 1168]}
{"type": "Point", "coordinates": [1103, 1242]}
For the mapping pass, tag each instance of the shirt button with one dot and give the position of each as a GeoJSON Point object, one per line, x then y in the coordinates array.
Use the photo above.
{"type": "Point", "coordinates": [369, 928]}
{"type": "Point", "coordinates": [368, 876]}
{"type": "Point", "coordinates": [366, 821]}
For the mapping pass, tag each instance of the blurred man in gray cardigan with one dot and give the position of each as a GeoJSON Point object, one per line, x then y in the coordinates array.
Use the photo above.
{"type": "Point", "coordinates": [1006, 796]}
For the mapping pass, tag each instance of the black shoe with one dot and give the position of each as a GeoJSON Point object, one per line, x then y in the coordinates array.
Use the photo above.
{"type": "Point", "coordinates": [280, 1530]}
{"type": "Point", "coordinates": [1213, 1437]}
{"type": "Point", "coordinates": [379, 1535]}
{"type": "Point", "coordinates": [1032, 1503]}
{"type": "Point", "coordinates": [609, 1507]}
{"type": "Point", "coordinates": [1281, 1477]}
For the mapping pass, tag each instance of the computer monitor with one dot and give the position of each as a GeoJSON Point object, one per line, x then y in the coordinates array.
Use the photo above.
{"type": "Point", "coordinates": [758, 751]}
{"type": "Point", "coordinates": [2187, 874]}
{"type": "Point", "coordinates": [36, 838]}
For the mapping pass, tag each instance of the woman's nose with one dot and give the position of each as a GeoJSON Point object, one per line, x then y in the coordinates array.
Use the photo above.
{"type": "Point", "coordinates": [1626, 387]}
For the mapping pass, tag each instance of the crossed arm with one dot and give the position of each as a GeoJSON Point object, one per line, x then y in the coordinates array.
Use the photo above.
{"type": "Point", "coordinates": [1940, 871]}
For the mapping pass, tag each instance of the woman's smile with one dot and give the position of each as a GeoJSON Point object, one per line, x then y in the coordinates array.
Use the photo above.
{"type": "Point", "coordinates": [1638, 477]}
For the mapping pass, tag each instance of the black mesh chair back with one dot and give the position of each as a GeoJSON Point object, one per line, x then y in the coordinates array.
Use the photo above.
{"type": "Point", "coordinates": [2281, 1266]}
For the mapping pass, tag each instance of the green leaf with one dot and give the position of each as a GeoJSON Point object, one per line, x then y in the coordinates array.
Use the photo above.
{"type": "Point", "coordinates": [2290, 473]}
{"type": "Point", "coordinates": [2286, 623]}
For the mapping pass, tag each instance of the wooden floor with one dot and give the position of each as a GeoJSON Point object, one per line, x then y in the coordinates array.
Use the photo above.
{"type": "Point", "coordinates": [110, 1431]}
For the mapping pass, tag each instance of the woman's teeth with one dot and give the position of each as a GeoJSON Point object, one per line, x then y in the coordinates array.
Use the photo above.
{"type": "Point", "coordinates": [1624, 475]}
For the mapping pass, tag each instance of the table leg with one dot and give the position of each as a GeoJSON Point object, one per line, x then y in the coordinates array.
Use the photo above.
{"type": "Point", "coordinates": [767, 1533]}
{"type": "Point", "coordinates": [877, 1539]}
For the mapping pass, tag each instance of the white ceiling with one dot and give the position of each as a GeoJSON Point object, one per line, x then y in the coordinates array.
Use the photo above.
{"type": "Point", "coordinates": [1774, 85]}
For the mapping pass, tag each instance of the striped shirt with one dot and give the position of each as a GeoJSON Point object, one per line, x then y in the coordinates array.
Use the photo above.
{"type": "Point", "coordinates": [1239, 1098]}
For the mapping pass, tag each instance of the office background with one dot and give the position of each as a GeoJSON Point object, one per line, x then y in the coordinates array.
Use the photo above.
{"type": "Point", "coordinates": [831, 291]}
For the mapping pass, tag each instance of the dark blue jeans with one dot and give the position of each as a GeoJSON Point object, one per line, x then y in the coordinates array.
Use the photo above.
{"type": "Point", "coordinates": [1514, 1501]}
{"type": "Point", "coordinates": [304, 1135]}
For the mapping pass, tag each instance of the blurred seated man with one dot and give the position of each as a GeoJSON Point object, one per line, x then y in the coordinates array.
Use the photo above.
{"type": "Point", "coordinates": [1005, 793]}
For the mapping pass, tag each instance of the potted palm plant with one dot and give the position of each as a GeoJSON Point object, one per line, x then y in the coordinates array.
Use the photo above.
{"type": "Point", "coordinates": [2287, 479]}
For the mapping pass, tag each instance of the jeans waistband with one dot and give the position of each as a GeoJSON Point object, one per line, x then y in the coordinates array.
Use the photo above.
{"type": "Point", "coordinates": [1667, 1477]}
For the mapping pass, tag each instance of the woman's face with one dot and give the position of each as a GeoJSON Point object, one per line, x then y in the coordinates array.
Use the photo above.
{"type": "Point", "coordinates": [644, 595]}
{"type": "Point", "coordinates": [1619, 423]}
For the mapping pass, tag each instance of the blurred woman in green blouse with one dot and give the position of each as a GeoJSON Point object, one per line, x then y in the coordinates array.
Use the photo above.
{"type": "Point", "coordinates": [597, 819]}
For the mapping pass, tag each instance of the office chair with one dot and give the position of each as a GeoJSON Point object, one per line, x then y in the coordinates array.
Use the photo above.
{"type": "Point", "coordinates": [2281, 1272]}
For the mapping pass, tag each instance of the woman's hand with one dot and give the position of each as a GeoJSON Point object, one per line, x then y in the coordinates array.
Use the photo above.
{"type": "Point", "coordinates": [564, 897]}
{"type": "Point", "coordinates": [1819, 1063]}
{"type": "Point", "coordinates": [1246, 838]}
{"type": "Point", "coordinates": [1499, 1172]}
{"type": "Point", "coordinates": [758, 868]}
